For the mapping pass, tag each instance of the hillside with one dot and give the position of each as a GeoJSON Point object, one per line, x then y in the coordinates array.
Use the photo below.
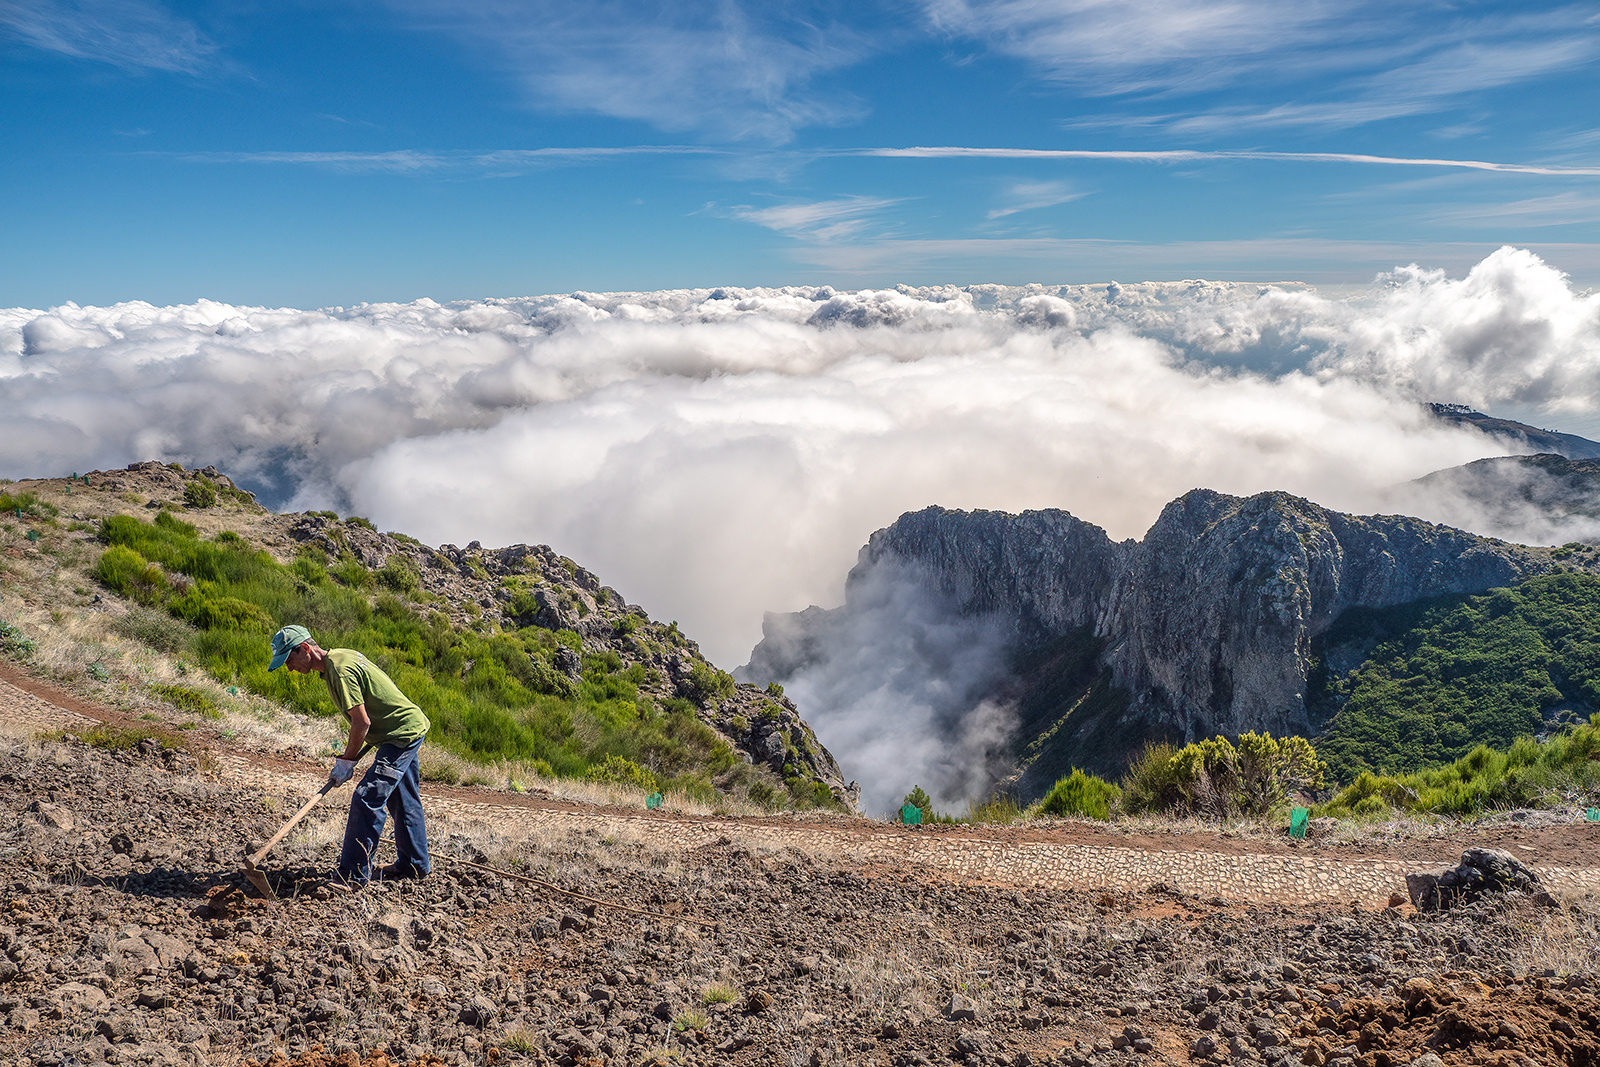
{"type": "Point", "coordinates": [1422, 684]}
{"type": "Point", "coordinates": [1208, 625]}
{"type": "Point", "coordinates": [1518, 436]}
{"type": "Point", "coordinates": [521, 657]}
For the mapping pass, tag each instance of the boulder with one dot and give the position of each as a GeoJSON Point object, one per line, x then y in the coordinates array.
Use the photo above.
{"type": "Point", "coordinates": [1481, 870]}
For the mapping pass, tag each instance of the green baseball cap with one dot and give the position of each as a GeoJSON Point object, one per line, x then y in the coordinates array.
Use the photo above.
{"type": "Point", "coordinates": [286, 641]}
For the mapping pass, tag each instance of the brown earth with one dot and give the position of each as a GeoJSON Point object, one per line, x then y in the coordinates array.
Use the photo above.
{"type": "Point", "coordinates": [129, 936]}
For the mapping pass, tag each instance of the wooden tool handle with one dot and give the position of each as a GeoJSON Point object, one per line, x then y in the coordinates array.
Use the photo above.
{"type": "Point", "coordinates": [290, 825]}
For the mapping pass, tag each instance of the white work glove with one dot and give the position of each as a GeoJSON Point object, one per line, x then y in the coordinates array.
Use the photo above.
{"type": "Point", "coordinates": [343, 771]}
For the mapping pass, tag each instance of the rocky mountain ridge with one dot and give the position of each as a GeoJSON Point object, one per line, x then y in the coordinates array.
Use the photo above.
{"type": "Point", "coordinates": [1205, 626]}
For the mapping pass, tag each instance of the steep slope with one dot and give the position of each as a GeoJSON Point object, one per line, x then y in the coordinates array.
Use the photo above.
{"type": "Point", "coordinates": [1205, 626]}
{"type": "Point", "coordinates": [526, 653]}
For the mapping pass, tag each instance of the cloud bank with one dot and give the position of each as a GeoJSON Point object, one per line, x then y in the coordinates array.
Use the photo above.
{"type": "Point", "coordinates": [718, 453]}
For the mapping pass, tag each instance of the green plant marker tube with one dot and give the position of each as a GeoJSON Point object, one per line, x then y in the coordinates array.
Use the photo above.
{"type": "Point", "coordinates": [1298, 820]}
{"type": "Point", "coordinates": [1593, 815]}
{"type": "Point", "coordinates": [911, 815]}
{"type": "Point", "coordinates": [653, 801]}
{"type": "Point", "coordinates": [233, 691]}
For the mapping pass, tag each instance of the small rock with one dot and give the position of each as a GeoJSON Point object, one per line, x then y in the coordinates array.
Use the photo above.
{"type": "Point", "coordinates": [960, 1009]}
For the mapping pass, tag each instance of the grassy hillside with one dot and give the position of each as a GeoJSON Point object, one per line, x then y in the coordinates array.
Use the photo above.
{"type": "Point", "coordinates": [1440, 678]}
{"type": "Point", "coordinates": [497, 660]}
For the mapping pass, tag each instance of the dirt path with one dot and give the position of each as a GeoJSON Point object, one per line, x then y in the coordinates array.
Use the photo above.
{"type": "Point", "coordinates": [1059, 856]}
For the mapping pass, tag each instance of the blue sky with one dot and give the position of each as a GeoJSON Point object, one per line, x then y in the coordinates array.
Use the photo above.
{"type": "Point", "coordinates": [314, 154]}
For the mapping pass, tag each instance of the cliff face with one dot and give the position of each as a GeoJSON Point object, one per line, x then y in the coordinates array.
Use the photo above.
{"type": "Point", "coordinates": [1205, 626]}
{"type": "Point", "coordinates": [1211, 626]}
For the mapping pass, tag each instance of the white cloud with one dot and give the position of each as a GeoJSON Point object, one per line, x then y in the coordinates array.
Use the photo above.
{"type": "Point", "coordinates": [718, 453]}
{"type": "Point", "coordinates": [723, 69]}
{"type": "Point", "coordinates": [823, 220]}
{"type": "Point", "coordinates": [1335, 63]}
{"type": "Point", "coordinates": [1186, 155]}
{"type": "Point", "coordinates": [1031, 196]}
{"type": "Point", "coordinates": [130, 34]}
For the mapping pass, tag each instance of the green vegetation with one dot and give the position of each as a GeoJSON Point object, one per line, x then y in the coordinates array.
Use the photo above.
{"type": "Point", "coordinates": [1260, 775]}
{"type": "Point", "coordinates": [187, 698]}
{"type": "Point", "coordinates": [690, 1020]}
{"type": "Point", "coordinates": [491, 696]}
{"type": "Point", "coordinates": [719, 993]}
{"type": "Point", "coordinates": [13, 642]}
{"type": "Point", "coordinates": [919, 798]}
{"type": "Point", "coordinates": [1527, 774]}
{"type": "Point", "coordinates": [1448, 675]}
{"type": "Point", "coordinates": [1079, 794]}
{"type": "Point", "coordinates": [1221, 779]}
{"type": "Point", "coordinates": [28, 505]}
{"type": "Point", "coordinates": [200, 493]}
{"type": "Point", "coordinates": [122, 738]}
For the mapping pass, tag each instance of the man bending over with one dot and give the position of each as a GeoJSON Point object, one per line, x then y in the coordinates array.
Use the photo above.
{"type": "Point", "coordinates": [381, 717]}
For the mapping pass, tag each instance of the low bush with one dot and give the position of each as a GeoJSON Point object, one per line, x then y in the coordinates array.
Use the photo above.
{"type": "Point", "coordinates": [1529, 774]}
{"type": "Point", "coordinates": [200, 493]}
{"type": "Point", "coordinates": [13, 642]}
{"type": "Point", "coordinates": [1080, 794]}
{"type": "Point", "coordinates": [123, 570]}
{"type": "Point", "coordinates": [1219, 779]}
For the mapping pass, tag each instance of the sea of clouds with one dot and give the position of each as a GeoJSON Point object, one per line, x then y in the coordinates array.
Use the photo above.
{"type": "Point", "coordinates": [716, 453]}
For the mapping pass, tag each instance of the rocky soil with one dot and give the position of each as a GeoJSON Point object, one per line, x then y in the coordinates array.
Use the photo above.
{"type": "Point", "coordinates": [129, 937]}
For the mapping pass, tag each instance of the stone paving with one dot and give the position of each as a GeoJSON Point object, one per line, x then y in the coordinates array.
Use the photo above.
{"type": "Point", "coordinates": [1256, 878]}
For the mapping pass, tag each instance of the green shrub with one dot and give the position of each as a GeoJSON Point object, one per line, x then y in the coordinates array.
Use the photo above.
{"type": "Point", "coordinates": [617, 769]}
{"type": "Point", "coordinates": [708, 683]}
{"type": "Point", "coordinates": [996, 810]}
{"type": "Point", "coordinates": [126, 572]}
{"type": "Point", "coordinates": [1218, 779]}
{"type": "Point", "coordinates": [351, 573]}
{"type": "Point", "coordinates": [205, 606]}
{"type": "Point", "coordinates": [919, 798]}
{"type": "Point", "coordinates": [27, 503]}
{"type": "Point", "coordinates": [398, 574]}
{"type": "Point", "coordinates": [1151, 782]}
{"type": "Point", "coordinates": [200, 494]}
{"type": "Point", "coordinates": [1080, 794]}
{"type": "Point", "coordinates": [13, 642]}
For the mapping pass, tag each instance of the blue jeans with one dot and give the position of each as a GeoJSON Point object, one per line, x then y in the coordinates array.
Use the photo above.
{"type": "Point", "coordinates": [391, 786]}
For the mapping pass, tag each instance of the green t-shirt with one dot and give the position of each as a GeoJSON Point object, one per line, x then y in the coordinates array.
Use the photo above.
{"type": "Point", "coordinates": [354, 679]}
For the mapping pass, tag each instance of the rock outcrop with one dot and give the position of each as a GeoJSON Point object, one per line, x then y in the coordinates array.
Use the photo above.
{"type": "Point", "coordinates": [1206, 625]}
